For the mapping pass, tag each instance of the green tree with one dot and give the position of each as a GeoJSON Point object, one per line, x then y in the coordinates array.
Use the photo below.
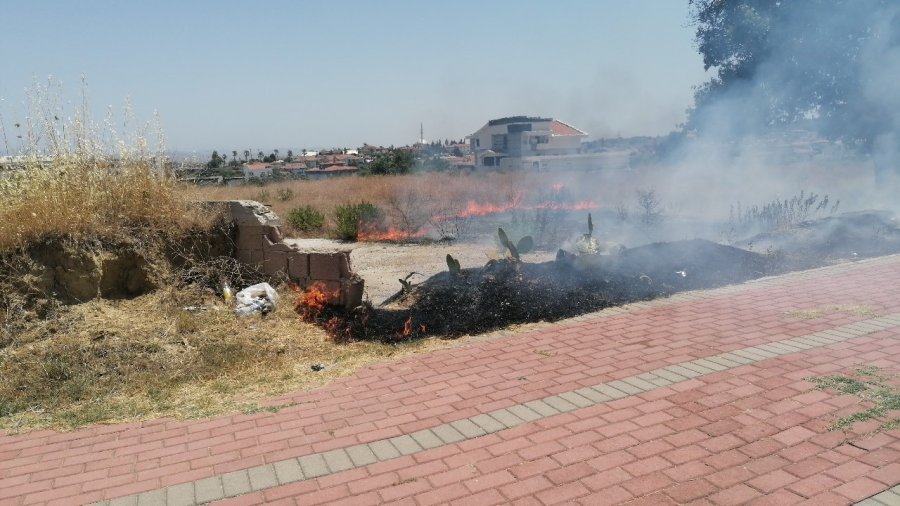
{"type": "Point", "coordinates": [815, 63]}
{"type": "Point", "coordinates": [215, 161]}
{"type": "Point", "coordinates": [395, 161]}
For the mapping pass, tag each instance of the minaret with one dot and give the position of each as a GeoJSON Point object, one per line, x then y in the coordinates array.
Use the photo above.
{"type": "Point", "coordinates": [421, 133]}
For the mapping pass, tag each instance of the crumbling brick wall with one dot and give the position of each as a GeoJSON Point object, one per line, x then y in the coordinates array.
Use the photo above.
{"type": "Point", "coordinates": [259, 243]}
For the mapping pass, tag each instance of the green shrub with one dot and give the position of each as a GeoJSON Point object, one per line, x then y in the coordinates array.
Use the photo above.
{"type": "Point", "coordinates": [284, 194]}
{"type": "Point", "coordinates": [352, 218]}
{"type": "Point", "coordinates": [306, 219]}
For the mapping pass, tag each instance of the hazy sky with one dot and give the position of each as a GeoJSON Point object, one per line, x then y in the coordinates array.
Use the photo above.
{"type": "Point", "coordinates": [227, 74]}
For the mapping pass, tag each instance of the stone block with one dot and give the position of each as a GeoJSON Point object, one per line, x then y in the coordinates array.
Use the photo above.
{"type": "Point", "coordinates": [248, 212]}
{"type": "Point", "coordinates": [334, 293]}
{"type": "Point", "coordinates": [251, 257]}
{"type": "Point", "coordinates": [275, 262]}
{"type": "Point", "coordinates": [268, 245]}
{"type": "Point", "coordinates": [257, 257]}
{"type": "Point", "coordinates": [250, 237]}
{"type": "Point", "coordinates": [298, 266]}
{"type": "Point", "coordinates": [324, 266]}
{"type": "Point", "coordinates": [344, 264]}
{"type": "Point", "coordinates": [273, 233]}
{"type": "Point", "coordinates": [353, 292]}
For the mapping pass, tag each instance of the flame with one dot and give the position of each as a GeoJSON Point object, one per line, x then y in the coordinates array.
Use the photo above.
{"type": "Point", "coordinates": [407, 327]}
{"type": "Point", "coordinates": [391, 234]}
{"type": "Point", "coordinates": [311, 302]}
{"type": "Point", "coordinates": [474, 208]}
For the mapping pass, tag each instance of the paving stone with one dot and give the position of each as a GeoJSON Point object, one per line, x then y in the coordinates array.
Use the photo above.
{"type": "Point", "coordinates": [130, 500]}
{"type": "Point", "coordinates": [836, 335]}
{"type": "Point", "coordinates": [595, 396]}
{"type": "Point", "coordinates": [524, 412]}
{"type": "Point", "coordinates": [361, 455]}
{"type": "Point", "coordinates": [610, 390]}
{"type": "Point", "coordinates": [752, 354]}
{"type": "Point", "coordinates": [506, 418]}
{"type": "Point", "coordinates": [890, 497]}
{"type": "Point", "coordinates": [152, 498]}
{"type": "Point", "coordinates": [737, 358]}
{"type": "Point", "coordinates": [288, 471]}
{"type": "Point", "coordinates": [748, 353]}
{"type": "Point", "coordinates": [468, 428]}
{"type": "Point", "coordinates": [262, 477]}
{"type": "Point", "coordinates": [761, 350]}
{"type": "Point", "coordinates": [539, 406]}
{"type": "Point", "coordinates": [487, 423]}
{"type": "Point", "coordinates": [669, 375]}
{"type": "Point", "coordinates": [448, 434]}
{"type": "Point", "coordinates": [313, 465]}
{"type": "Point", "coordinates": [384, 450]}
{"type": "Point", "coordinates": [209, 489]}
{"type": "Point", "coordinates": [682, 371]}
{"type": "Point", "coordinates": [426, 439]}
{"type": "Point", "coordinates": [578, 400]}
{"type": "Point", "coordinates": [337, 460]}
{"type": "Point", "coordinates": [803, 344]}
{"type": "Point", "coordinates": [559, 404]}
{"type": "Point", "coordinates": [699, 368]}
{"type": "Point", "coordinates": [721, 360]}
{"type": "Point", "coordinates": [625, 387]}
{"type": "Point", "coordinates": [405, 445]}
{"type": "Point", "coordinates": [709, 364]}
{"type": "Point", "coordinates": [236, 483]}
{"type": "Point", "coordinates": [181, 495]}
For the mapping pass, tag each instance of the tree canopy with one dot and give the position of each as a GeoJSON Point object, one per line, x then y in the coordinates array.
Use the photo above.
{"type": "Point", "coordinates": [822, 64]}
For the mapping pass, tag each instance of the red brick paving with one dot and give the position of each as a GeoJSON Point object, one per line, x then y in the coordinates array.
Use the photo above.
{"type": "Point", "coordinates": [758, 432]}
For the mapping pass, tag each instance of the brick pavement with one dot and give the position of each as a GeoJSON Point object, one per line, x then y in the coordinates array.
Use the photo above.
{"type": "Point", "coordinates": [497, 421]}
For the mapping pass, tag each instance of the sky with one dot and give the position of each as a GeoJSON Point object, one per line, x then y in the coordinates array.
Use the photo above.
{"type": "Point", "coordinates": [305, 74]}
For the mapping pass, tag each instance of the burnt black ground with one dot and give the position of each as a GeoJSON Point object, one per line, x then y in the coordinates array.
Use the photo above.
{"type": "Point", "coordinates": [506, 292]}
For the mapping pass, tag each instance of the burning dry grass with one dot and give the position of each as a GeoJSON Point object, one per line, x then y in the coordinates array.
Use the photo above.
{"type": "Point", "coordinates": [411, 202]}
{"type": "Point", "coordinates": [115, 361]}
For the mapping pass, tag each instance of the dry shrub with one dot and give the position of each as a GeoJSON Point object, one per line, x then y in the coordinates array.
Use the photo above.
{"type": "Point", "coordinates": [90, 198]}
{"type": "Point", "coordinates": [82, 180]}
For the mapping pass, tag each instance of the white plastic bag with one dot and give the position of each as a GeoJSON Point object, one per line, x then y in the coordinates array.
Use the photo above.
{"type": "Point", "coordinates": [259, 298]}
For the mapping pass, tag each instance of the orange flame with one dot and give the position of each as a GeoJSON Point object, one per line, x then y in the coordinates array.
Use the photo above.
{"type": "Point", "coordinates": [407, 327]}
{"type": "Point", "coordinates": [311, 302]}
{"type": "Point", "coordinates": [391, 234]}
{"type": "Point", "coordinates": [474, 209]}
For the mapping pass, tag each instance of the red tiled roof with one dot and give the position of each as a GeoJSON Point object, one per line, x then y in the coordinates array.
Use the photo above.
{"type": "Point", "coordinates": [557, 127]}
{"type": "Point", "coordinates": [257, 166]}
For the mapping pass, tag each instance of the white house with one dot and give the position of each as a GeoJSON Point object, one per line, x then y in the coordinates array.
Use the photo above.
{"type": "Point", "coordinates": [523, 142]}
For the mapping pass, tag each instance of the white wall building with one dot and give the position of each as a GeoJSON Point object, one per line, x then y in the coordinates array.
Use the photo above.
{"type": "Point", "coordinates": [522, 142]}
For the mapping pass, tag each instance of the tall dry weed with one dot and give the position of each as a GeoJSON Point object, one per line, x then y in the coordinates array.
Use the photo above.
{"type": "Point", "coordinates": [72, 177]}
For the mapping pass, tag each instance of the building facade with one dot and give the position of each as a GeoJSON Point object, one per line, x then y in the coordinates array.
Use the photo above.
{"type": "Point", "coordinates": [524, 142]}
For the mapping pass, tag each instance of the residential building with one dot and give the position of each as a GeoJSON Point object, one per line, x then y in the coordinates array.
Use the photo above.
{"type": "Point", "coordinates": [525, 142]}
{"type": "Point", "coordinates": [257, 170]}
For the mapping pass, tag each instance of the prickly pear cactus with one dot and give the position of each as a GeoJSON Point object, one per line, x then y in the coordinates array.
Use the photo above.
{"type": "Point", "coordinates": [453, 265]}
